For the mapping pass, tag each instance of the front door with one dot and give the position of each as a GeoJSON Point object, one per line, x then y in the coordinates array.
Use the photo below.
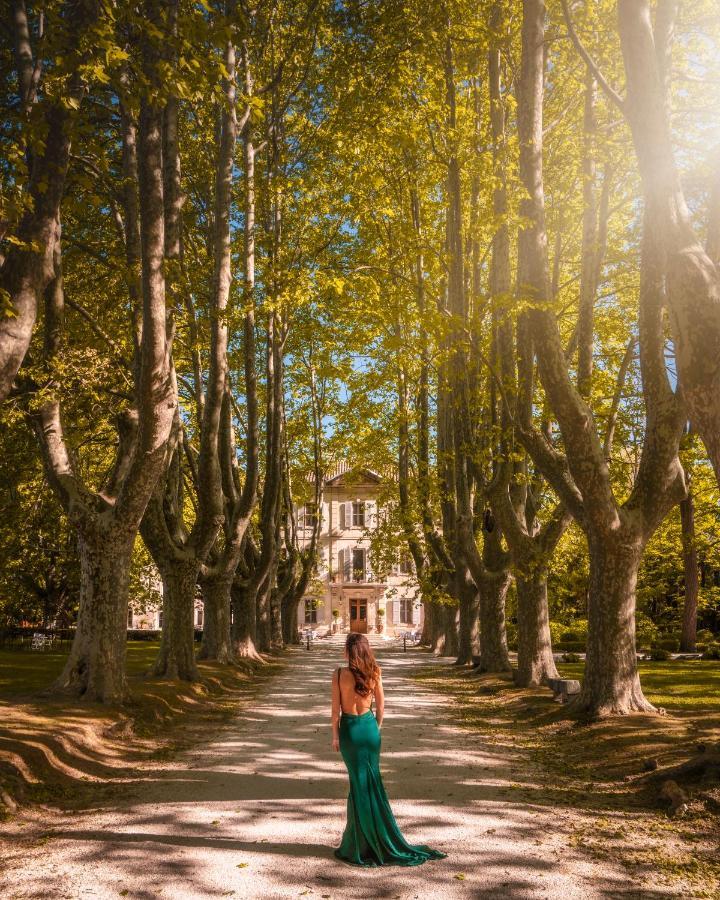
{"type": "Point", "coordinates": [358, 615]}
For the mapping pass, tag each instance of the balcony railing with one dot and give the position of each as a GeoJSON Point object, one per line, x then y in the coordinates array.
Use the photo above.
{"type": "Point", "coordinates": [357, 576]}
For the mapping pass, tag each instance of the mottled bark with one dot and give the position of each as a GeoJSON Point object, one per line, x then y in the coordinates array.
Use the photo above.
{"type": "Point", "coordinates": [176, 657]}
{"type": "Point", "coordinates": [535, 657]}
{"type": "Point", "coordinates": [445, 638]}
{"type": "Point", "coordinates": [216, 643]}
{"type": "Point", "coordinates": [611, 685]}
{"type": "Point", "coordinates": [429, 620]}
{"type": "Point", "coordinates": [289, 621]}
{"type": "Point", "coordinates": [95, 668]}
{"type": "Point", "coordinates": [244, 628]}
{"type": "Point", "coordinates": [262, 604]}
{"type": "Point", "coordinates": [494, 655]}
{"type": "Point", "coordinates": [468, 622]}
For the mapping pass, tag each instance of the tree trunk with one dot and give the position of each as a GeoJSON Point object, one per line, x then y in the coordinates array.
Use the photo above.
{"type": "Point", "coordinates": [176, 657]}
{"type": "Point", "coordinates": [216, 642]}
{"type": "Point", "coordinates": [611, 685]}
{"type": "Point", "coordinates": [95, 668]}
{"type": "Point", "coordinates": [692, 278]}
{"type": "Point", "coordinates": [468, 623]}
{"type": "Point", "coordinates": [445, 641]}
{"type": "Point", "coordinates": [263, 632]}
{"type": "Point", "coordinates": [535, 659]}
{"type": "Point", "coordinates": [494, 655]}
{"type": "Point", "coordinates": [244, 626]}
{"type": "Point", "coordinates": [276, 629]}
{"type": "Point", "coordinates": [290, 620]}
{"type": "Point", "coordinates": [429, 620]}
{"type": "Point", "coordinates": [688, 636]}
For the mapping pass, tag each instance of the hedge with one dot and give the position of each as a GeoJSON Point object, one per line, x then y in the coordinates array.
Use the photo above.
{"type": "Point", "coordinates": [570, 647]}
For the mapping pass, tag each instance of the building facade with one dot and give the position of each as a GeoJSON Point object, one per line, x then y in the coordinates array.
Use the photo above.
{"type": "Point", "coordinates": [363, 600]}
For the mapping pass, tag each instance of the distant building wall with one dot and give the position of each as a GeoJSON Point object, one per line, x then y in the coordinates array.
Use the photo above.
{"type": "Point", "coordinates": [345, 580]}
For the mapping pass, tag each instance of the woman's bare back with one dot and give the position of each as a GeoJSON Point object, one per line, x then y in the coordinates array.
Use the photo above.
{"type": "Point", "coordinates": [351, 702]}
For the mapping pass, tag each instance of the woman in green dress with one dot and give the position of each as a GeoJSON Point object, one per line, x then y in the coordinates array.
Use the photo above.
{"type": "Point", "coordinates": [372, 836]}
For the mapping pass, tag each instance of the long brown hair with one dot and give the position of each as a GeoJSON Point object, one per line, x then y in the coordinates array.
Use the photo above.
{"type": "Point", "coordinates": [361, 662]}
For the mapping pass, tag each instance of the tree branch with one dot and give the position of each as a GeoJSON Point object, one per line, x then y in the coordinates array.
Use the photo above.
{"type": "Point", "coordinates": [589, 61]}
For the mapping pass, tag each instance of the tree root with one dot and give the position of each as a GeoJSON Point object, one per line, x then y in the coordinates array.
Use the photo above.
{"type": "Point", "coordinates": [706, 763]}
{"type": "Point", "coordinates": [703, 767]}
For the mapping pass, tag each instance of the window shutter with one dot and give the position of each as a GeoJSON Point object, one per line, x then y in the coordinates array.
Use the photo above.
{"type": "Point", "coordinates": [341, 508]}
{"type": "Point", "coordinates": [340, 563]}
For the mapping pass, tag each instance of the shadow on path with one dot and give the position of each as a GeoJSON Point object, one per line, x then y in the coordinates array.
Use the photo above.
{"type": "Point", "coordinates": [258, 810]}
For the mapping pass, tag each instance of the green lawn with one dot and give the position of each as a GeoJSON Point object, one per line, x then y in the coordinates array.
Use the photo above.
{"type": "Point", "coordinates": [28, 671]}
{"type": "Point", "coordinates": [691, 685]}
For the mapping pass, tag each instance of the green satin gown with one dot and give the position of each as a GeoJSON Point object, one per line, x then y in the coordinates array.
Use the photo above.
{"type": "Point", "coordinates": [372, 836]}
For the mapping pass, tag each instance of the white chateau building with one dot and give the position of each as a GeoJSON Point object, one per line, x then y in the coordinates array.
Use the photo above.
{"type": "Point", "coordinates": [345, 581]}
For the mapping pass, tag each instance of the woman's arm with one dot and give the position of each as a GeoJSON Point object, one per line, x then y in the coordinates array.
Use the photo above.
{"type": "Point", "coordinates": [379, 699]}
{"type": "Point", "coordinates": [335, 711]}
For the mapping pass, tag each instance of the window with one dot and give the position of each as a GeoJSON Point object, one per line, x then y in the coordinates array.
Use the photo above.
{"type": "Point", "coordinates": [160, 619]}
{"type": "Point", "coordinates": [199, 618]}
{"type": "Point", "coordinates": [352, 515]}
{"type": "Point", "coordinates": [310, 612]}
{"type": "Point", "coordinates": [130, 616]}
{"type": "Point", "coordinates": [406, 611]}
{"type": "Point", "coordinates": [344, 564]}
{"type": "Point", "coordinates": [358, 514]}
{"type": "Point", "coordinates": [406, 564]}
{"type": "Point", "coordinates": [309, 517]}
{"type": "Point", "coordinates": [358, 564]}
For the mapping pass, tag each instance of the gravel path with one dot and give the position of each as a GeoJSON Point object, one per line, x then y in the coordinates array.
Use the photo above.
{"type": "Point", "coordinates": [256, 812]}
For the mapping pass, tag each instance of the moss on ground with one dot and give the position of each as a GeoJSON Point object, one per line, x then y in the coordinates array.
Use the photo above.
{"type": "Point", "coordinates": [595, 772]}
